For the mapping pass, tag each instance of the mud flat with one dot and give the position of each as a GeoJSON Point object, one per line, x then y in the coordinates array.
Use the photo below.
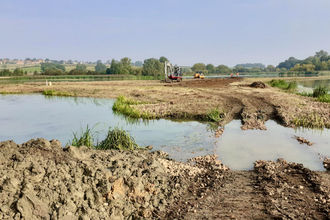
{"type": "Point", "coordinates": [41, 180]}
{"type": "Point", "coordinates": [249, 100]}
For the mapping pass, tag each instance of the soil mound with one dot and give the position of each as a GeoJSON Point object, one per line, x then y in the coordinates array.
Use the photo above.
{"type": "Point", "coordinates": [258, 84]}
{"type": "Point", "coordinates": [41, 180]}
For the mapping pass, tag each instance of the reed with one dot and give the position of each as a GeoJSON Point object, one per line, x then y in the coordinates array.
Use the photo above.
{"type": "Point", "coordinates": [84, 138]}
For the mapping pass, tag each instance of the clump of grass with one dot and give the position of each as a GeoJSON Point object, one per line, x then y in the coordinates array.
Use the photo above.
{"type": "Point", "coordinates": [123, 105]}
{"type": "Point", "coordinates": [324, 98]}
{"type": "Point", "coordinates": [292, 86]}
{"type": "Point", "coordinates": [56, 93]}
{"type": "Point", "coordinates": [215, 115]}
{"type": "Point", "coordinates": [118, 139]}
{"type": "Point", "coordinates": [309, 121]}
{"type": "Point", "coordinates": [85, 138]}
{"type": "Point", "coordinates": [279, 83]}
{"type": "Point", "coordinates": [320, 91]}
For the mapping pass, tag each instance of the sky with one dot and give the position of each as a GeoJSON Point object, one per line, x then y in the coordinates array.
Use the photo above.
{"type": "Point", "coordinates": [219, 32]}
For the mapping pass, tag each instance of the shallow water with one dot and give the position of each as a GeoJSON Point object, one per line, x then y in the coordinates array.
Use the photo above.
{"type": "Point", "coordinates": [23, 117]}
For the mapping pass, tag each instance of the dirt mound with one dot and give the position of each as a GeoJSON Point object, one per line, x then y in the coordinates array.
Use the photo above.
{"type": "Point", "coordinates": [41, 180]}
{"type": "Point", "coordinates": [258, 84]}
{"type": "Point", "coordinates": [293, 191]}
{"type": "Point", "coordinates": [206, 83]}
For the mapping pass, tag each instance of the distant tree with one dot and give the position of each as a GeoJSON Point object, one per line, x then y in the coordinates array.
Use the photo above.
{"type": "Point", "coordinates": [44, 66]}
{"type": "Point", "coordinates": [108, 62]}
{"type": "Point", "coordinates": [52, 70]}
{"type": "Point", "coordinates": [321, 53]}
{"type": "Point", "coordinates": [98, 61]}
{"type": "Point", "coordinates": [163, 59]}
{"type": "Point", "coordinates": [303, 67]}
{"type": "Point", "coordinates": [18, 72]}
{"type": "Point", "coordinates": [81, 67]}
{"type": "Point", "coordinates": [126, 61]}
{"type": "Point", "coordinates": [270, 68]}
{"type": "Point", "coordinates": [47, 60]}
{"type": "Point", "coordinates": [289, 63]}
{"type": "Point", "coordinates": [138, 63]}
{"type": "Point", "coordinates": [34, 59]}
{"type": "Point", "coordinates": [210, 68]}
{"type": "Point", "coordinates": [116, 68]}
{"type": "Point", "coordinates": [100, 67]}
{"type": "Point", "coordinates": [152, 67]}
{"type": "Point", "coordinates": [27, 59]}
{"type": "Point", "coordinates": [198, 67]}
{"type": "Point", "coordinates": [250, 65]}
{"type": "Point", "coordinates": [70, 62]}
{"type": "Point", "coordinates": [223, 69]}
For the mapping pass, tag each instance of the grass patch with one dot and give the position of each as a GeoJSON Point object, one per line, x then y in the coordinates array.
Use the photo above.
{"type": "Point", "coordinates": [324, 98]}
{"type": "Point", "coordinates": [123, 105]}
{"type": "Point", "coordinates": [118, 139]}
{"type": "Point", "coordinates": [56, 93]}
{"type": "Point", "coordinates": [282, 84]}
{"type": "Point", "coordinates": [216, 115]}
{"type": "Point", "coordinates": [309, 121]}
{"type": "Point", "coordinates": [85, 138]}
{"type": "Point", "coordinates": [320, 91]}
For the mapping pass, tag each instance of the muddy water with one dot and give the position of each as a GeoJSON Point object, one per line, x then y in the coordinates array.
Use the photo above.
{"type": "Point", "coordinates": [23, 117]}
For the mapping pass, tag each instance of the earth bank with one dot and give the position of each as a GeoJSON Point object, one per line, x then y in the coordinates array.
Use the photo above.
{"type": "Point", "coordinates": [41, 180]}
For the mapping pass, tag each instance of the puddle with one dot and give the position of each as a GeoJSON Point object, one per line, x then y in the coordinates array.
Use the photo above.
{"type": "Point", "coordinates": [23, 117]}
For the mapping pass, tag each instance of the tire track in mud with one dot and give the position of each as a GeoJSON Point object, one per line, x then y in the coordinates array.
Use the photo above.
{"type": "Point", "coordinates": [236, 198]}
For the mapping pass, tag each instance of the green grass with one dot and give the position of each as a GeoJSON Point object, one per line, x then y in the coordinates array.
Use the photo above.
{"type": "Point", "coordinates": [56, 93]}
{"type": "Point", "coordinates": [282, 84]}
{"type": "Point", "coordinates": [118, 139]}
{"type": "Point", "coordinates": [309, 121]}
{"type": "Point", "coordinates": [215, 115]}
{"type": "Point", "coordinates": [124, 106]}
{"type": "Point", "coordinates": [85, 138]}
{"type": "Point", "coordinates": [320, 91]}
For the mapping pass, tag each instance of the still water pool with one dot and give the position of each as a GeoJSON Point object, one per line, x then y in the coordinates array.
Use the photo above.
{"type": "Point", "coordinates": [23, 117]}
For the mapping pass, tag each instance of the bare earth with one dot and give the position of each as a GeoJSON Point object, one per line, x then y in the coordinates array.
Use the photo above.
{"type": "Point", "coordinates": [40, 180]}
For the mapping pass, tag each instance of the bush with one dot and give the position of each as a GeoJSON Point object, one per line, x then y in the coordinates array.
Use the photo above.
{"type": "Point", "coordinates": [320, 91]}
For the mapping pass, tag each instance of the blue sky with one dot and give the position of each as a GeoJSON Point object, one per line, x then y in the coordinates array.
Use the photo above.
{"type": "Point", "coordinates": [185, 31]}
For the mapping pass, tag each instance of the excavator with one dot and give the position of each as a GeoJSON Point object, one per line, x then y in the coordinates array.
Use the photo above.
{"type": "Point", "coordinates": [172, 73]}
{"type": "Point", "coordinates": [199, 76]}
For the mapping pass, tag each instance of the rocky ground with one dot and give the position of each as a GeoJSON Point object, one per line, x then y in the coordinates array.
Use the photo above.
{"type": "Point", "coordinates": [41, 180]}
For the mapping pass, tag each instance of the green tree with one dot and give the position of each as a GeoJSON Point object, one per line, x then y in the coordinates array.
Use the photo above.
{"type": "Point", "coordinates": [210, 68]}
{"type": "Point", "coordinates": [152, 67]}
{"type": "Point", "coordinates": [81, 67]}
{"type": "Point", "coordinates": [321, 53]}
{"type": "Point", "coordinates": [270, 68]}
{"type": "Point", "coordinates": [163, 59]}
{"type": "Point", "coordinates": [44, 66]}
{"type": "Point", "coordinates": [223, 69]}
{"type": "Point", "coordinates": [138, 63]}
{"type": "Point", "coordinates": [198, 67]}
{"type": "Point", "coordinates": [126, 61]}
{"type": "Point", "coordinates": [100, 67]}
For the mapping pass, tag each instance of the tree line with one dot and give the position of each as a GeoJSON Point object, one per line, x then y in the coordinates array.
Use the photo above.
{"type": "Point", "coordinates": [320, 61]}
